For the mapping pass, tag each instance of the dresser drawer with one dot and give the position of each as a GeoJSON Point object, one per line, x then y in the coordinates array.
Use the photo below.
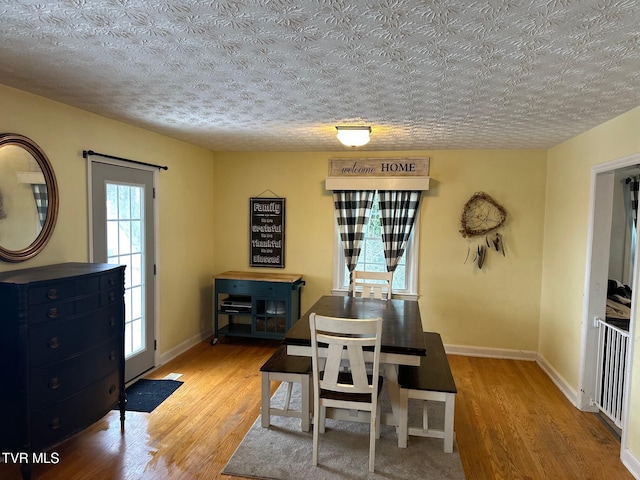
{"type": "Point", "coordinates": [59, 309]}
{"type": "Point", "coordinates": [111, 279]}
{"type": "Point", "coordinates": [55, 382]}
{"type": "Point", "coordinates": [61, 290]}
{"type": "Point", "coordinates": [109, 297]}
{"type": "Point", "coordinates": [55, 341]}
{"type": "Point", "coordinates": [56, 422]}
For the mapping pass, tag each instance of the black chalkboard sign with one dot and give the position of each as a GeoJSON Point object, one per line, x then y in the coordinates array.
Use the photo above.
{"type": "Point", "coordinates": [266, 235]}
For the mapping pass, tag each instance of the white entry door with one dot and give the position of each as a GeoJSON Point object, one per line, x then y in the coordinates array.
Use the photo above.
{"type": "Point", "coordinates": [123, 233]}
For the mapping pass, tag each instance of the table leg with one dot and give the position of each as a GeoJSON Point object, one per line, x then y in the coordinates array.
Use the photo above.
{"type": "Point", "coordinates": [397, 407]}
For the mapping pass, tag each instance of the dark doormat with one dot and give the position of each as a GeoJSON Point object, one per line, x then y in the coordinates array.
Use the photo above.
{"type": "Point", "coordinates": [145, 395]}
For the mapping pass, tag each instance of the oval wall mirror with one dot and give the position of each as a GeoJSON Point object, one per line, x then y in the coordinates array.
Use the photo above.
{"type": "Point", "coordinates": [28, 198]}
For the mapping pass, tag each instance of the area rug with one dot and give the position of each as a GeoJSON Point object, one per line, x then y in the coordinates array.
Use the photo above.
{"type": "Point", "coordinates": [283, 451]}
{"type": "Point", "coordinates": [145, 395]}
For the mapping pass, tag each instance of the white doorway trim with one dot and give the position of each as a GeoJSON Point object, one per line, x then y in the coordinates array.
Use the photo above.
{"type": "Point", "coordinates": [595, 287]}
{"type": "Point", "coordinates": [156, 210]}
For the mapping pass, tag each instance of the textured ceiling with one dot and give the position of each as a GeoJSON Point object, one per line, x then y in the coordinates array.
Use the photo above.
{"type": "Point", "coordinates": [279, 75]}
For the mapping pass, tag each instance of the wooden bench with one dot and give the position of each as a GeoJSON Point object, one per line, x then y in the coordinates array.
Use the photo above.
{"type": "Point", "coordinates": [432, 380]}
{"type": "Point", "coordinates": [291, 369]}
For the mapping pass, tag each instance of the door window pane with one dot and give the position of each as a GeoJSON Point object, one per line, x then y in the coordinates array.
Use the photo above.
{"type": "Point", "coordinates": [125, 227]}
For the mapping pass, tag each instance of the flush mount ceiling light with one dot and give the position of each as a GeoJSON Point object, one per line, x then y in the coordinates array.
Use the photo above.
{"type": "Point", "coordinates": [353, 136]}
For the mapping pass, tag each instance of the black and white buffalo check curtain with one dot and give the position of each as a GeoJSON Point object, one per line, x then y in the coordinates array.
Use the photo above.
{"type": "Point", "coordinates": [398, 209]}
{"type": "Point", "coordinates": [352, 208]}
{"type": "Point", "coordinates": [42, 201]}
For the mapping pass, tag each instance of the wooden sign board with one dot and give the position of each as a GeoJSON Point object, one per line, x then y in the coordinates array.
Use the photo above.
{"type": "Point", "coordinates": [266, 235]}
{"type": "Point", "coordinates": [379, 167]}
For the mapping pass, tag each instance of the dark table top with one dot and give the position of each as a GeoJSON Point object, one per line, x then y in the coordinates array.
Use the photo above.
{"type": "Point", "coordinates": [401, 323]}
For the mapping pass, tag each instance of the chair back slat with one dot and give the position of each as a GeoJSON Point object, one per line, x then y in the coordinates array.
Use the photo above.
{"type": "Point", "coordinates": [371, 284]}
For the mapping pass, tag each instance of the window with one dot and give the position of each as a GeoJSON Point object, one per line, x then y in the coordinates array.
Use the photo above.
{"type": "Point", "coordinates": [372, 259]}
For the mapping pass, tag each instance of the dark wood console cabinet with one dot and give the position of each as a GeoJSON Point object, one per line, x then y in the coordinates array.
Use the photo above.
{"type": "Point", "coordinates": [61, 354]}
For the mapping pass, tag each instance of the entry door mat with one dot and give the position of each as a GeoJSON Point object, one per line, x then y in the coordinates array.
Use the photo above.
{"type": "Point", "coordinates": [283, 451]}
{"type": "Point", "coordinates": [145, 395]}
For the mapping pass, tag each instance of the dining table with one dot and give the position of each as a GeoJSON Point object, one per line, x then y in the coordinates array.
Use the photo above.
{"type": "Point", "coordinates": [402, 341]}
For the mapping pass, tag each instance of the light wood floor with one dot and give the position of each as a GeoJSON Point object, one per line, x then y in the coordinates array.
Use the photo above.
{"type": "Point", "coordinates": [511, 423]}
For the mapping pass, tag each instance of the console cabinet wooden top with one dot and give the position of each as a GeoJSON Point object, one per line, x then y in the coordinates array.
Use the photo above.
{"type": "Point", "coordinates": [259, 276]}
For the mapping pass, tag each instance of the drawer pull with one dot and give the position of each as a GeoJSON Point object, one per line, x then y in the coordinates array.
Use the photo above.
{"type": "Point", "coordinates": [52, 294]}
{"type": "Point", "coordinates": [112, 296]}
{"type": "Point", "coordinates": [54, 383]}
{"type": "Point", "coordinates": [112, 281]}
{"type": "Point", "coordinates": [112, 321]}
{"type": "Point", "coordinates": [112, 389]}
{"type": "Point", "coordinates": [53, 312]}
{"type": "Point", "coordinates": [55, 424]}
{"type": "Point", "coordinates": [54, 342]}
{"type": "Point", "coordinates": [112, 355]}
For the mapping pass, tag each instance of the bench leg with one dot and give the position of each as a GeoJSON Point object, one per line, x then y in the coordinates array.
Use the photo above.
{"type": "Point", "coordinates": [403, 418]}
{"type": "Point", "coordinates": [265, 400]}
{"type": "Point", "coordinates": [425, 416]}
{"type": "Point", "coordinates": [449, 407]}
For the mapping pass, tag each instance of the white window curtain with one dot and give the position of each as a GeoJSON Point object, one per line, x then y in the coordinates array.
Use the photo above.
{"type": "Point", "coordinates": [352, 208]}
{"type": "Point", "coordinates": [398, 210]}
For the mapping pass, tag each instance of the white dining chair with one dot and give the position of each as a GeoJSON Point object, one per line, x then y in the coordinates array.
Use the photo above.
{"type": "Point", "coordinates": [334, 340]}
{"type": "Point", "coordinates": [371, 284]}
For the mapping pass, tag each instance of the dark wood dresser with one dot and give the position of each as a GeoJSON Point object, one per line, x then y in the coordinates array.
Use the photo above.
{"type": "Point", "coordinates": [61, 354]}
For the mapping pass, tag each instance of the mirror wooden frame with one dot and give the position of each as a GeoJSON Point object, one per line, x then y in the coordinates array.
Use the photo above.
{"type": "Point", "coordinates": [52, 196]}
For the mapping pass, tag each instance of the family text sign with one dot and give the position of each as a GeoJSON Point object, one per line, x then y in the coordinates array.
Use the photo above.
{"type": "Point", "coordinates": [266, 234]}
{"type": "Point", "coordinates": [379, 167]}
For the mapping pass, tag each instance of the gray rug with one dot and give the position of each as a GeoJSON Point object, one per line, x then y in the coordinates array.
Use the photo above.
{"type": "Point", "coordinates": [283, 451]}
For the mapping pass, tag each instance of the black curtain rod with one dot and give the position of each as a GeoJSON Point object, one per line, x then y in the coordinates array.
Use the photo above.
{"type": "Point", "coordinates": [86, 153]}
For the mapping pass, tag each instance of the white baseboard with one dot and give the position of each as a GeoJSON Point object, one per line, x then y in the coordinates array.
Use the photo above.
{"type": "Point", "coordinates": [184, 346]}
{"type": "Point", "coordinates": [560, 382]}
{"type": "Point", "coordinates": [631, 462]}
{"type": "Point", "coordinates": [490, 352]}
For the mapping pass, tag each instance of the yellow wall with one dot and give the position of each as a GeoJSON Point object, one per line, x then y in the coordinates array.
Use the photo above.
{"type": "Point", "coordinates": [564, 260]}
{"type": "Point", "coordinates": [185, 200]}
{"type": "Point", "coordinates": [496, 307]}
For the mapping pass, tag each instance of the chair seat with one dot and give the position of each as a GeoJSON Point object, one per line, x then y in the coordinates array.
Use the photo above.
{"type": "Point", "coordinates": [345, 377]}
